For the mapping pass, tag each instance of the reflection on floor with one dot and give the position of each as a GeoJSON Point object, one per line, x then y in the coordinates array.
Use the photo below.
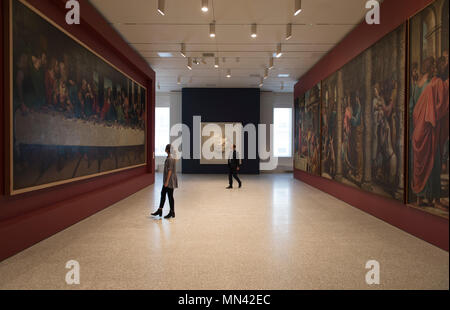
{"type": "Point", "coordinates": [274, 233]}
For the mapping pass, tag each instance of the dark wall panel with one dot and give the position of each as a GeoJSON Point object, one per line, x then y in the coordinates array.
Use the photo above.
{"type": "Point", "coordinates": [221, 105]}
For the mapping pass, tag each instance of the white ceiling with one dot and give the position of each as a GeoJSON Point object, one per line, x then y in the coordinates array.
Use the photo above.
{"type": "Point", "coordinates": [317, 29]}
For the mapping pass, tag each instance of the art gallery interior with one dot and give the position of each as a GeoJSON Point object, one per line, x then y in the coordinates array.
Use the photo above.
{"type": "Point", "coordinates": [344, 149]}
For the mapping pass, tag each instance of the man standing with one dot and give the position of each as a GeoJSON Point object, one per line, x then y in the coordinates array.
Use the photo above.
{"type": "Point", "coordinates": [233, 168]}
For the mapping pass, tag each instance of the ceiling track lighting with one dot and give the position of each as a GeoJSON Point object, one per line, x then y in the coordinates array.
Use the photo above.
{"type": "Point", "coordinates": [216, 62]}
{"type": "Point", "coordinates": [261, 83]}
{"type": "Point", "coordinates": [279, 53]}
{"type": "Point", "coordinates": [179, 80]}
{"type": "Point", "coordinates": [196, 62]}
{"type": "Point", "coordinates": [161, 5]}
{"type": "Point", "coordinates": [189, 64]}
{"type": "Point", "coordinates": [253, 32]}
{"type": "Point", "coordinates": [228, 73]}
{"type": "Point", "coordinates": [205, 7]}
{"type": "Point", "coordinates": [271, 63]}
{"type": "Point", "coordinates": [212, 30]}
{"type": "Point", "coordinates": [298, 7]}
{"type": "Point", "coordinates": [183, 50]}
{"type": "Point", "coordinates": [288, 31]}
{"type": "Point", "coordinates": [266, 73]}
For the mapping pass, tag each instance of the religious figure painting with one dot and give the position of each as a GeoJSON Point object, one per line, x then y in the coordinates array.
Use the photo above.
{"type": "Point", "coordinates": [73, 115]}
{"type": "Point", "coordinates": [362, 119]}
{"type": "Point", "coordinates": [428, 181]}
{"type": "Point", "coordinates": [307, 131]}
{"type": "Point", "coordinates": [217, 143]}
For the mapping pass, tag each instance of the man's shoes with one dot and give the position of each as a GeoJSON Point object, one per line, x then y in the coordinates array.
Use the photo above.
{"type": "Point", "coordinates": [229, 187]}
{"type": "Point", "coordinates": [171, 214]}
{"type": "Point", "coordinates": [240, 185]}
{"type": "Point", "coordinates": [157, 213]}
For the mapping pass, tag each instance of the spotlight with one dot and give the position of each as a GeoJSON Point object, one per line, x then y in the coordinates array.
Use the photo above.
{"type": "Point", "coordinates": [266, 73]}
{"type": "Point", "coordinates": [161, 5]}
{"type": "Point", "coordinates": [216, 62]}
{"type": "Point", "coordinates": [298, 7]}
{"type": "Point", "coordinates": [205, 6]}
{"type": "Point", "coordinates": [212, 30]}
{"type": "Point", "coordinates": [203, 61]}
{"type": "Point", "coordinates": [288, 31]}
{"type": "Point", "coordinates": [271, 63]}
{"type": "Point", "coordinates": [196, 62]}
{"type": "Point", "coordinates": [183, 50]}
{"type": "Point", "coordinates": [279, 53]}
{"type": "Point", "coordinates": [179, 80]}
{"type": "Point", "coordinates": [228, 73]}
{"type": "Point", "coordinates": [261, 83]}
{"type": "Point", "coordinates": [253, 33]}
{"type": "Point", "coordinates": [189, 64]}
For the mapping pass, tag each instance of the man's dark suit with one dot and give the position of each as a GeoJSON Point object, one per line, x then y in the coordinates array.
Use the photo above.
{"type": "Point", "coordinates": [233, 165]}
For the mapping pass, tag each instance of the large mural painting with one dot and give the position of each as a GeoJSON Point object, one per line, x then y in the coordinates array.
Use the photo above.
{"type": "Point", "coordinates": [307, 131]}
{"type": "Point", "coordinates": [428, 116]}
{"type": "Point", "coordinates": [363, 119]}
{"type": "Point", "coordinates": [73, 115]}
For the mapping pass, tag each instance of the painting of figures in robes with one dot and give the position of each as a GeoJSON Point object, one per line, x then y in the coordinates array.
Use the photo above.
{"type": "Point", "coordinates": [362, 119]}
{"type": "Point", "coordinates": [307, 131]}
{"type": "Point", "coordinates": [428, 103]}
{"type": "Point", "coordinates": [73, 114]}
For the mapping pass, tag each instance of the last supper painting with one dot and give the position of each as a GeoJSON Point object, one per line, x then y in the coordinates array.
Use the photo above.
{"type": "Point", "coordinates": [73, 114]}
{"type": "Point", "coordinates": [428, 110]}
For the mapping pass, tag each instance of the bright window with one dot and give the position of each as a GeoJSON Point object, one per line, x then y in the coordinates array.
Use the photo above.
{"type": "Point", "coordinates": [282, 135]}
{"type": "Point", "coordinates": [162, 130]}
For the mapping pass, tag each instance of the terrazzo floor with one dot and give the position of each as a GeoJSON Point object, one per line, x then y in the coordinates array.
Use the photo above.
{"type": "Point", "coordinates": [274, 233]}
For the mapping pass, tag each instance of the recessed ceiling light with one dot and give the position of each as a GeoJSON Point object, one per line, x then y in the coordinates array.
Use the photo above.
{"type": "Point", "coordinates": [205, 6]}
{"type": "Point", "coordinates": [278, 54]}
{"type": "Point", "coordinates": [298, 7]}
{"type": "Point", "coordinates": [161, 5]}
{"type": "Point", "coordinates": [283, 75]}
{"type": "Point", "coordinates": [212, 30]}
{"type": "Point", "coordinates": [271, 63]}
{"type": "Point", "coordinates": [288, 31]}
{"type": "Point", "coordinates": [164, 54]}
{"type": "Point", "coordinates": [253, 32]}
{"type": "Point", "coordinates": [183, 50]}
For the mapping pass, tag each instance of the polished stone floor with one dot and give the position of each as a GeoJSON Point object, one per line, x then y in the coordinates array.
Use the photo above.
{"type": "Point", "coordinates": [274, 233]}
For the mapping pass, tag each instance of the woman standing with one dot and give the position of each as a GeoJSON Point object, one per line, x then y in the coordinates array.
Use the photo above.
{"type": "Point", "coordinates": [170, 183]}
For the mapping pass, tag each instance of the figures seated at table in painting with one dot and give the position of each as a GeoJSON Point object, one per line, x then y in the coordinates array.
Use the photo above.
{"type": "Point", "coordinates": [51, 86]}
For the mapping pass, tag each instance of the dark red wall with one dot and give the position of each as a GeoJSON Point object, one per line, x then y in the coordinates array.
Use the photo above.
{"type": "Point", "coordinates": [426, 226]}
{"type": "Point", "coordinates": [29, 218]}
